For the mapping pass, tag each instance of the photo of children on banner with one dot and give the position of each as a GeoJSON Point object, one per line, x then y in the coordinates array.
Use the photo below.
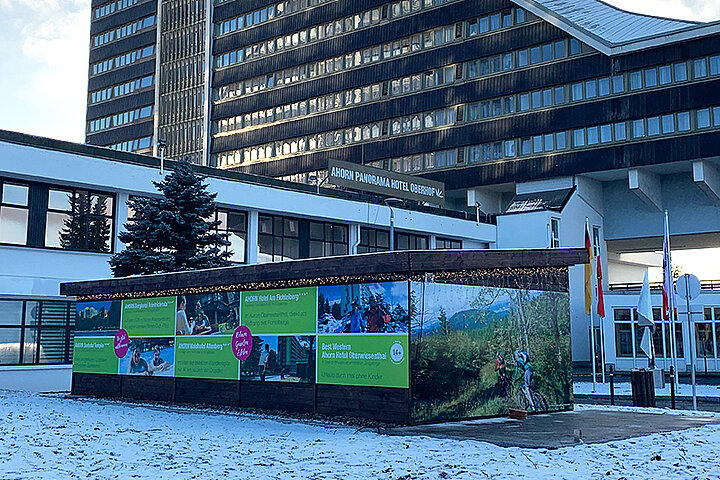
{"type": "Point", "coordinates": [363, 308]}
{"type": "Point", "coordinates": [149, 356]}
{"type": "Point", "coordinates": [281, 359]}
{"type": "Point", "coordinates": [207, 314]}
{"type": "Point", "coordinates": [100, 316]}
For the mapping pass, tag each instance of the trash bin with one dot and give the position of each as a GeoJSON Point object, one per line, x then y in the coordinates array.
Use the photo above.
{"type": "Point", "coordinates": [643, 388]}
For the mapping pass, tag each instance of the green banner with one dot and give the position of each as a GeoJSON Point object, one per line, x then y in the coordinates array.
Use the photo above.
{"type": "Point", "coordinates": [205, 357]}
{"type": "Point", "coordinates": [290, 310]}
{"type": "Point", "coordinates": [365, 360]}
{"type": "Point", "coordinates": [149, 316]}
{"type": "Point", "coordinates": [95, 355]}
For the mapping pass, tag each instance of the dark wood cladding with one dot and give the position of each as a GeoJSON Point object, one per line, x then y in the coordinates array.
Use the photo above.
{"type": "Point", "coordinates": [204, 391]}
{"type": "Point", "coordinates": [113, 77]}
{"type": "Point", "coordinates": [289, 397]}
{"type": "Point", "coordinates": [153, 389]}
{"type": "Point", "coordinates": [118, 47]}
{"type": "Point", "coordinates": [121, 104]}
{"type": "Point", "coordinates": [400, 264]}
{"type": "Point", "coordinates": [121, 134]}
{"type": "Point", "coordinates": [122, 17]}
{"type": "Point", "coordinates": [390, 405]}
{"type": "Point", "coordinates": [96, 385]}
{"type": "Point", "coordinates": [646, 153]}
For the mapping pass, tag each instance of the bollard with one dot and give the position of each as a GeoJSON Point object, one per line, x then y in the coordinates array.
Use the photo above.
{"type": "Point", "coordinates": [612, 385]}
{"type": "Point", "coordinates": [672, 387]}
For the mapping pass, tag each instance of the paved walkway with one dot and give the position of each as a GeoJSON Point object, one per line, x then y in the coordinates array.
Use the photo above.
{"type": "Point", "coordinates": [557, 430]}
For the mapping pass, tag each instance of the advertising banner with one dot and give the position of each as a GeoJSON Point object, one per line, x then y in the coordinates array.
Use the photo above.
{"type": "Point", "coordinates": [283, 311]}
{"type": "Point", "coordinates": [99, 316]}
{"type": "Point", "coordinates": [479, 351]}
{"type": "Point", "coordinates": [150, 356]}
{"type": "Point", "coordinates": [205, 357]}
{"type": "Point", "coordinates": [365, 360]}
{"type": "Point", "coordinates": [94, 355]}
{"type": "Point", "coordinates": [149, 316]}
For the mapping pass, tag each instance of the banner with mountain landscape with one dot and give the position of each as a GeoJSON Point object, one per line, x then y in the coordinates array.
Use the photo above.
{"type": "Point", "coordinates": [479, 351]}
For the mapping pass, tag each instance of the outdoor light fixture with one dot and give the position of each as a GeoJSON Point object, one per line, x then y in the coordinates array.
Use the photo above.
{"type": "Point", "coordinates": [387, 202]}
{"type": "Point", "coordinates": [162, 145]}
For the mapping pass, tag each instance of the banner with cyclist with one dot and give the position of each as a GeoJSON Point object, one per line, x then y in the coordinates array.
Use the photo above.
{"type": "Point", "coordinates": [479, 351]}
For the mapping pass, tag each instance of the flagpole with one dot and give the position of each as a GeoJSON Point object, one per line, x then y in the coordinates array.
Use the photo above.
{"type": "Point", "coordinates": [602, 321]}
{"type": "Point", "coordinates": [671, 307]}
{"type": "Point", "coordinates": [592, 321]}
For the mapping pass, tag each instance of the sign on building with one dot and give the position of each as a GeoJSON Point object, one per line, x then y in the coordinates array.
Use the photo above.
{"type": "Point", "coordinates": [384, 182]}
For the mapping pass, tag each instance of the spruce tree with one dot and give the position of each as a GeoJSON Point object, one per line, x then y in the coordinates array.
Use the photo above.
{"type": "Point", "coordinates": [171, 233]}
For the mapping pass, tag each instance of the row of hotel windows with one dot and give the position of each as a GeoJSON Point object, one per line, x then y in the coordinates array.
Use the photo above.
{"type": "Point", "coordinates": [628, 334]}
{"type": "Point", "coordinates": [123, 31]}
{"type": "Point", "coordinates": [75, 219]}
{"type": "Point", "coordinates": [339, 26]}
{"type": "Point", "coordinates": [134, 145]}
{"type": "Point", "coordinates": [36, 331]}
{"type": "Point", "coordinates": [414, 43]}
{"type": "Point", "coordinates": [122, 89]}
{"type": "Point", "coordinates": [112, 7]}
{"type": "Point", "coordinates": [580, 91]}
{"type": "Point", "coordinates": [118, 119]}
{"type": "Point", "coordinates": [668, 124]}
{"type": "Point", "coordinates": [276, 10]}
{"type": "Point", "coordinates": [589, 89]}
{"type": "Point", "coordinates": [397, 9]}
{"type": "Point", "coordinates": [402, 86]}
{"type": "Point", "coordinates": [122, 60]}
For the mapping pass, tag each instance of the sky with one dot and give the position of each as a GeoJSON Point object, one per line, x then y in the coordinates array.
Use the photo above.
{"type": "Point", "coordinates": [44, 48]}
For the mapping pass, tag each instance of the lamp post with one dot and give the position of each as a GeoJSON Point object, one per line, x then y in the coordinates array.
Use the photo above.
{"type": "Point", "coordinates": [162, 145]}
{"type": "Point", "coordinates": [387, 202]}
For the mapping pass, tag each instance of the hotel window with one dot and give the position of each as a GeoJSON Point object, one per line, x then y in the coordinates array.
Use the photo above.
{"type": "Point", "coordinates": [638, 127]}
{"type": "Point", "coordinates": [447, 243]}
{"type": "Point", "coordinates": [620, 131]}
{"type": "Point", "coordinates": [373, 240]}
{"type": "Point", "coordinates": [623, 332]}
{"type": "Point", "coordinates": [579, 137]}
{"type": "Point", "coordinates": [327, 239]}
{"type": "Point", "coordinates": [665, 75]}
{"type": "Point", "coordinates": [233, 223]}
{"type": "Point", "coordinates": [703, 118]}
{"type": "Point", "coordinates": [35, 332]}
{"type": "Point", "coordinates": [409, 241]}
{"type": "Point", "coordinates": [680, 72]}
{"type": "Point", "coordinates": [278, 239]}
{"type": "Point", "coordinates": [650, 77]}
{"type": "Point", "coordinates": [653, 126]}
{"type": "Point", "coordinates": [699, 68]}
{"type": "Point", "coordinates": [554, 232]}
{"type": "Point", "coordinates": [79, 220]}
{"type": "Point", "coordinates": [635, 80]}
{"type": "Point", "coordinates": [683, 121]}
{"type": "Point", "coordinates": [618, 82]}
{"type": "Point", "coordinates": [715, 65]}
{"type": "Point", "coordinates": [668, 123]}
{"type": "Point", "coordinates": [13, 213]}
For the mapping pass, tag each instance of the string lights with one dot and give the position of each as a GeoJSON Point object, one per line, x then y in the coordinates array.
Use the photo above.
{"type": "Point", "coordinates": [542, 278]}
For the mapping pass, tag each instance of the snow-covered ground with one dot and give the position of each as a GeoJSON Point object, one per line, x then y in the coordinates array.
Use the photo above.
{"type": "Point", "coordinates": [585, 388]}
{"type": "Point", "coordinates": [49, 437]}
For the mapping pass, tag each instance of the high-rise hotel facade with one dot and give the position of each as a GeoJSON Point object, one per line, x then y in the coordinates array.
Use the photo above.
{"type": "Point", "coordinates": [469, 92]}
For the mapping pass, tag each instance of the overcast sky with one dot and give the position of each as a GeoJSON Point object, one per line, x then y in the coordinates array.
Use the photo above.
{"type": "Point", "coordinates": [44, 59]}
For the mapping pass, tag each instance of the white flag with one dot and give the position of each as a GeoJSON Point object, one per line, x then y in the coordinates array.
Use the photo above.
{"type": "Point", "coordinates": [644, 309]}
{"type": "Point", "coordinates": [645, 343]}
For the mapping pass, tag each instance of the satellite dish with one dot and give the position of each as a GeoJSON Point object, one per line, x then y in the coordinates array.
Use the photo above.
{"type": "Point", "coordinates": [688, 286]}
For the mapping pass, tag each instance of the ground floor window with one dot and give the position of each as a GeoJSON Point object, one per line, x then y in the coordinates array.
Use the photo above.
{"type": "Point", "coordinates": [628, 335]}
{"type": "Point", "coordinates": [35, 332]}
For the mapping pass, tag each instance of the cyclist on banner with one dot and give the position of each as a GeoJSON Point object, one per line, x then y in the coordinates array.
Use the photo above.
{"type": "Point", "coordinates": [501, 370]}
{"type": "Point", "coordinates": [522, 361]}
